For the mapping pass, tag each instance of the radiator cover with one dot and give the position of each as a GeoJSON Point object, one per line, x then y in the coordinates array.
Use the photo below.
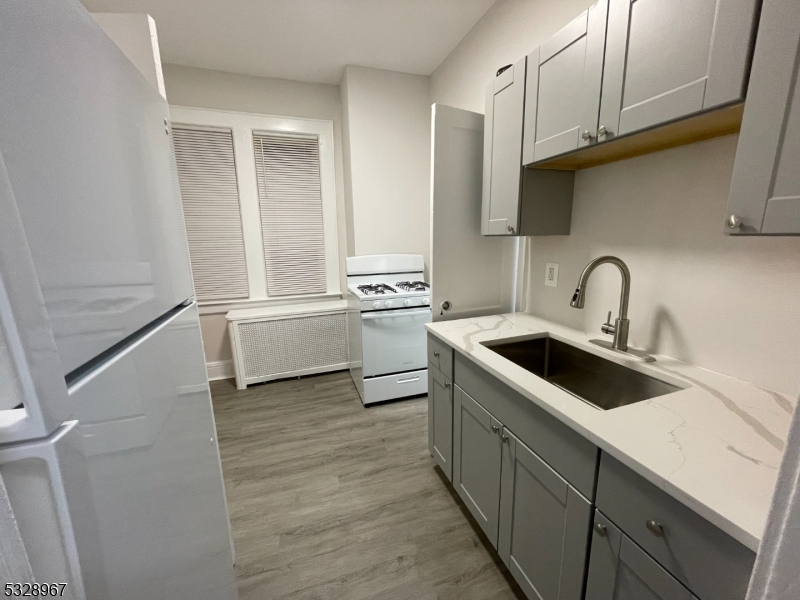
{"type": "Point", "coordinates": [288, 346]}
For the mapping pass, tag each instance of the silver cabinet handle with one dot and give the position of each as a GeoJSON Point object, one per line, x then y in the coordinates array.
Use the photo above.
{"type": "Point", "coordinates": [601, 130]}
{"type": "Point", "coordinates": [504, 437]}
{"type": "Point", "coordinates": [495, 429]}
{"type": "Point", "coordinates": [587, 135]}
{"type": "Point", "coordinates": [447, 385]}
{"type": "Point", "coordinates": [510, 229]}
{"type": "Point", "coordinates": [601, 529]}
{"type": "Point", "coordinates": [734, 222]}
{"type": "Point", "coordinates": [436, 354]}
{"type": "Point", "coordinates": [657, 529]}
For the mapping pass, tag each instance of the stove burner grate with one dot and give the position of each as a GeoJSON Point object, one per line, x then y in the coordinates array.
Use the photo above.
{"type": "Point", "coordinates": [413, 286]}
{"type": "Point", "coordinates": [374, 289]}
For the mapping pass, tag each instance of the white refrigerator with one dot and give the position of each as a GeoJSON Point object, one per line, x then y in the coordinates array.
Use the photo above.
{"type": "Point", "coordinates": [110, 477]}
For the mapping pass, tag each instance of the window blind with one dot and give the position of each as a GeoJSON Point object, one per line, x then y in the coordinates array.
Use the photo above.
{"type": "Point", "coordinates": [207, 177]}
{"type": "Point", "coordinates": [290, 199]}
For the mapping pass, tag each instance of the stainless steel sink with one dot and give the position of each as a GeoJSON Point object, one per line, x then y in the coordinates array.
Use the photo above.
{"type": "Point", "coordinates": [595, 380]}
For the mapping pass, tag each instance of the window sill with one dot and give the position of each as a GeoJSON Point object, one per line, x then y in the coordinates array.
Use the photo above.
{"type": "Point", "coordinates": [222, 307]}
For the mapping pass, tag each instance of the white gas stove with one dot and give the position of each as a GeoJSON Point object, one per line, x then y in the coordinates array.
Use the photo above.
{"type": "Point", "coordinates": [388, 306]}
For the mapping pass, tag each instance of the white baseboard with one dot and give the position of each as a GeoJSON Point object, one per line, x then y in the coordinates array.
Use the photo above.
{"type": "Point", "coordinates": [220, 369]}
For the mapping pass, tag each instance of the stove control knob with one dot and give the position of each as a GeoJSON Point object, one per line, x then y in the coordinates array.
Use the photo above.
{"type": "Point", "coordinates": [407, 302]}
{"type": "Point", "coordinates": [377, 305]}
{"type": "Point", "coordinates": [388, 304]}
{"type": "Point", "coordinates": [426, 300]}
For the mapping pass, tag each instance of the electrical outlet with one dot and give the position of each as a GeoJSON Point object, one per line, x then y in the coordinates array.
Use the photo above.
{"type": "Point", "coordinates": [551, 274]}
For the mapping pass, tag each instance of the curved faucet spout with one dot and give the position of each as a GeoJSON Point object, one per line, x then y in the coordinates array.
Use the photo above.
{"type": "Point", "coordinates": [620, 328]}
{"type": "Point", "coordinates": [579, 299]}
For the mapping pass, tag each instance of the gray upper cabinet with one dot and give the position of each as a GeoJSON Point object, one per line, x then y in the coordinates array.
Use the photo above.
{"type": "Point", "coordinates": [765, 189]}
{"type": "Point", "coordinates": [544, 525]}
{"type": "Point", "coordinates": [440, 419]}
{"type": "Point", "coordinates": [502, 151]}
{"type": "Point", "coordinates": [476, 461]}
{"type": "Point", "coordinates": [563, 87]}
{"type": "Point", "coordinates": [620, 570]}
{"type": "Point", "coordinates": [668, 59]}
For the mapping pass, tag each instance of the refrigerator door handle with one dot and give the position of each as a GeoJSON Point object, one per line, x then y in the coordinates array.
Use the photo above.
{"type": "Point", "coordinates": [45, 450]}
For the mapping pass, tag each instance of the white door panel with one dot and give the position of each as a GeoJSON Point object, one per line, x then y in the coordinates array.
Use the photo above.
{"type": "Point", "coordinates": [474, 273]}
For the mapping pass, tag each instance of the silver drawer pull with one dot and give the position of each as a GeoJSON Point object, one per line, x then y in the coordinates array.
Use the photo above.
{"type": "Point", "coordinates": [504, 437]}
{"type": "Point", "coordinates": [601, 529]}
{"type": "Point", "coordinates": [409, 380]}
{"type": "Point", "coordinates": [495, 428]}
{"type": "Point", "coordinates": [657, 529]}
{"type": "Point", "coordinates": [436, 354]}
{"type": "Point", "coordinates": [447, 385]}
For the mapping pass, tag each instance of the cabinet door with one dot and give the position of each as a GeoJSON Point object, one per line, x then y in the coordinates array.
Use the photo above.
{"type": "Point", "coordinates": [502, 151]}
{"type": "Point", "coordinates": [544, 526]}
{"type": "Point", "coordinates": [765, 189]}
{"type": "Point", "coordinates": [667, 59]}
{"type": "Point", "coordinates": [620, 570]}
{"type": "Point", "coordinates": [476, 461]}
{"type": "Point", "coordinates": [563, 87]}
{"type": "Point", "coordinates": [440, 419]}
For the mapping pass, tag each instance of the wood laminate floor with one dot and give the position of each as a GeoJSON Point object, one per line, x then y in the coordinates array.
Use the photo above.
{"type": "Point", "coordinates": [332, 500]}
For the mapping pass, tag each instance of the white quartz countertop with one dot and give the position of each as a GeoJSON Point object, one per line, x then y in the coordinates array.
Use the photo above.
{"type": "Point", "coordinates": [716, 445]}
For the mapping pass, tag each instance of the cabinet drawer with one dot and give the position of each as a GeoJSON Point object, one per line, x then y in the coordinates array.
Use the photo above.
{"type": "Point", "coordinates": [566, 451]}
{"type": "Point", "coordinates": [440, 355]}
{"type": "Point", "coordinates": [705, 559]}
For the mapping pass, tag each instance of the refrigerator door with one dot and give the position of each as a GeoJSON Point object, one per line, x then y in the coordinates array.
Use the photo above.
{"type": "Point", "coordinates": [159, 527]}
{"type": "Point", "coordinates": [140, 476]}
{"type": "Point", "coordinates": [87, 149]}
{"type": "Point", "coordinates": [43, 481]}
{"type": "Point", "coordinates": [33, 394]}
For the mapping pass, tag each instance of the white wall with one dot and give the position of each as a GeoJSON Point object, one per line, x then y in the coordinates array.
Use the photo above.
{"type": "Point", "coordinates": [136, 36]}
{"type": "Point", "coordinates": [507, 32]}
{"type": "Point", "coordinates": [387, 161]}
{"type": "Point", "coordinates": [727, 304]}
{"type": "Point", "coordinates": [201, 88]}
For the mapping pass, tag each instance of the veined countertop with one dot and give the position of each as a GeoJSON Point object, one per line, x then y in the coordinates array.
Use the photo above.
{"type": "Point", "coordinates": [716, 445]}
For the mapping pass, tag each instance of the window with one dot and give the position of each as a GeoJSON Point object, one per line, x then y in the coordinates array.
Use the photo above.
{"type": "Point", "coordinates": [290, 200]}
{"type": "Point", "coordinates": [260, 201]}
{"type": "Point", "coordinates": [207, 177]}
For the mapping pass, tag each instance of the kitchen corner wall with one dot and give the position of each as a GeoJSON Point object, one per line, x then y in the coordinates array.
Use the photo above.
{"type": "Point", "coordinates": [731, 305]}
{"type": "Point", "coordinates": [218, 90]}
{"type": "Point", "coordinates": [386, 147]}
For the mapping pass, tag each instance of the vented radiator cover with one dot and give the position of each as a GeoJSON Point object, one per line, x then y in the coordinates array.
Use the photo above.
{"type": "Point", "coordinates": [288, 346]}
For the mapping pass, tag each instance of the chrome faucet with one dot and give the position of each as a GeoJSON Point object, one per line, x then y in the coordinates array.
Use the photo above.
{"type": "Point", "coordinates": [621, 325]}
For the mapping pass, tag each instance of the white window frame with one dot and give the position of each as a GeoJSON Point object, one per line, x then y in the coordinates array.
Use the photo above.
{"type": "Point", "coordinates": [243, 125]}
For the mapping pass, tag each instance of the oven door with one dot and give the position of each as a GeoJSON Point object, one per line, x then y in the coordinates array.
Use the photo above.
{"type": "Point", "coordinates": [394, 341]}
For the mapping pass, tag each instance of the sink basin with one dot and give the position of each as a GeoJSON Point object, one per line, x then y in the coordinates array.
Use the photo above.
{"type": "Point", "coordinates": [591, 378]}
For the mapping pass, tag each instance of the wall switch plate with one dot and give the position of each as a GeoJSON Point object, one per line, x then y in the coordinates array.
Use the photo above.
{"type": "Point", "coordinates": [551, 274]}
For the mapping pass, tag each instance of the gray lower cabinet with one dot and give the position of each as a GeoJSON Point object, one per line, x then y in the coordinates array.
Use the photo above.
{"type": "Point", "coordinates": [477, 461]}
{"type": "Point", "coordinates": [537, 521]}
{"type": "Point", "coordinates": [544, 525]}
{"type": "Point", "coordinates": [708, 561]}
{"type": "Point", "coordinates": [440, 420]}
{"type": "Point", "coordinates": [765, 189]}
{"type": "Point", "coordinates": [620, 570]}
{"type": "Point", "coordinates": [668, 59]}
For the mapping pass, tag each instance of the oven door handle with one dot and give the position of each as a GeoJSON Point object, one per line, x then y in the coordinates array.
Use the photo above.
{"type": "Point", "coordinates": [391, 314]}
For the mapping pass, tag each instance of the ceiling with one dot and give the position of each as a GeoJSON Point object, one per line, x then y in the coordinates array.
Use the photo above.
{"type": "Point", "coordinates": [305, 40]}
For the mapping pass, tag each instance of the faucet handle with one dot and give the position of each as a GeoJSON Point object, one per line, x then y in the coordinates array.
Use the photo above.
{"type": "Point", "coordinates": [607, 327]}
